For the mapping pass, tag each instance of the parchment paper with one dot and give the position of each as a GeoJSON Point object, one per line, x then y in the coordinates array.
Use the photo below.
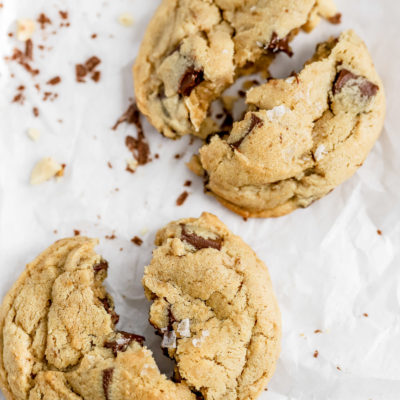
{"type": "Point", "coordinates": [331, 270]}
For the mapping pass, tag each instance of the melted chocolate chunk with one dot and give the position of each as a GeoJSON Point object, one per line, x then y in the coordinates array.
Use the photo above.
{"type": "Point", "coordinates": [122, 343]}
{"type": "Point", "coordinates": [190, 79]}
{"type": "Point", "coordinates": [254, 122]}
{"type": "Point", "coordinates": [277, 45]}
{"type": "Point", "coordinates": [110, 310]}
{"type": "Point", "coordinates": [199, 242]}
{"type": "Point", "coordinates": [107, 378]}
{"type": "Point", "coordinates": [101, 266]}
{"type": "Point", "coordinates": [367, 88]}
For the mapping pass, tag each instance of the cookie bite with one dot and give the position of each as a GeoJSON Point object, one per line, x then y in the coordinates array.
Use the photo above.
{"type": "Point", "coordinates": [301, 136]}
{"type": "Point", "coordinates": [195, 49]}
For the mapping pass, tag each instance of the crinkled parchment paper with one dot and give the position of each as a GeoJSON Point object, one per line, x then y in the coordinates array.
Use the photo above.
{"type": "Point", "coordinates": [332, 272]}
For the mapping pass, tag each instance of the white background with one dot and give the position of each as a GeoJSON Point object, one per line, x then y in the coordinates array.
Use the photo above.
{"type": "Point", "coordinates": [328, 264]}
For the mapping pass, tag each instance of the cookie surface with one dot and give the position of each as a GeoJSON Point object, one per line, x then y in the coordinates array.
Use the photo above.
{"type": "Point", "coordinates": [194, 49]}
{"type": "Point", "coordinates": [215, 308]}
{"type": "Point", "coordinates": [301, 137]}
{"type": "Point", "coordinates": [57, 324]}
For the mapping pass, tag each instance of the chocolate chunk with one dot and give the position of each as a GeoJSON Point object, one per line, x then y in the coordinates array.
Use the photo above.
{"type": "Point", "coordinates": [182, 198]}
{"type": "Point", "coordinates": [367, 88]}
{"type": "Point", "coordinates": [335, 19]}
{"type": "Point", "coordinates": [107, 378]}
{"type": "Point", "coordinates": [254, 122]}
{"type": "Point", "coordinates": [122, 343]}
{"type": "Point", "coordinates": [198, 242]}
{"type": "Point", "coordinates": [277, 45]}
{"type": "Point", "coordinates": [101, 266]}
{"type": "Point", "coordinates": [190, 79]}
{"type": "Point", "coordinates": [110, 310]}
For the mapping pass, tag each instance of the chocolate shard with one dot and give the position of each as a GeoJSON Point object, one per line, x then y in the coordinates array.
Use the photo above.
{"type": "Point", "coordinates": [121, 344]}
{"type": "Point", "coordinates": [110, 310]}
{"type": "Point", "coordinates": [277, 45]}
{"type": "Point", "coordinates": [190, 79]}
{"type": "Point", "coordinates": [107, 378]}
{"type": "Point", "coordinates": [101, 266]}
{"type": "Point", "coordinates": [344, 76]}
{"type": "Point", "coordinates": [92, 63]}
{"type": "Point", "coordinates": [254, 122]}
{"type": "Point", "coordinates": [198, 242]}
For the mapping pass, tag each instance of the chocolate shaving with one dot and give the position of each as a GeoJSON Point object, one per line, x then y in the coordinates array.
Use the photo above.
{"type": "Point", "coordinates": [96, 76]}
{"type": "Point", "coordinates": [54, 81]}
{"type": "Point", "coordinates": [35, 111]}
{"type": "Point", "coordinates": [110, 310]}
{"type": "Point", "coordinates": [277, 45]}
{"type": "Point", "coordinates": [254, 122]}
{"type": "Point", "coordinates": [190, 79]}
{"type": "Point", "coordinates": [76, 232]}
{"type": "Point", "coordinates": [80, 72]}
{"type": "Point", "coordinates": [101, 266]}
{"type": "Point", "coordinates": [138, 146]}
{"type": "Point", "coordinates": [121, 344]}
{"type": "Point", "coordinates": [367, 88]}
{"type": "Point", "coordinates": [63, 14]}
{"type": "Point", "coordinates": [136, 240]}
{"type": "Point", "coordinates": [187, 183]}
{"type": "Point", "coordinates": [29, 49]}
{"type": "Point", "coordinates": [107, 378]}
{"type": "Point", "coordinates": [182, 198]}
{"type": "Point", "coordinates": [43, 20]}
{"type": "Point", "coordinates": [198, 242]}
{"type": "Point", "coordinates": [335, 19]}
{"type": "Point", "coordinates": [92, 63]}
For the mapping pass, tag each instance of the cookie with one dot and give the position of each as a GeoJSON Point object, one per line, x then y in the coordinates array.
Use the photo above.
{"type": "Point", "coordinates": [301, 137]}
{"type": "Point", "coordinates": [58, 332]}
{"type": "Point", "coordinates": [58, 338]}
{"type": "Point", "coordinates": [214, 306]}
{"type": "Point", "coordinates": [195, 49]}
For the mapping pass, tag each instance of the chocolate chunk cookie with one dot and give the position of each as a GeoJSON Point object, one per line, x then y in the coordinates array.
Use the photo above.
{"type": "Point", "coordinates": [194, 49]}
{"type": "Point", "coordinates": [301, 136]}
{"type": "Point", "coordinates": [213, 306]}
{"type": "Point", "coordinates": [58, 339]}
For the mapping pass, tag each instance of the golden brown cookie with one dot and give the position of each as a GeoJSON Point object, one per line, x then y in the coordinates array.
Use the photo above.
{"type": "Point", "coordinates": [194, 49]}
{"type": "Point", "coordinates": [301, 136]}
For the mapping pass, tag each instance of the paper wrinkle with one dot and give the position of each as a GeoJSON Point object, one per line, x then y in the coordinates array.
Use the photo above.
{"type": "Point", "coordinates": [328, 264]}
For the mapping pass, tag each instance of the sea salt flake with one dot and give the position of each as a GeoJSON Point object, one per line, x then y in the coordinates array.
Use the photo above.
{"type": "Point", "coordinates": [277, 112]}
{"type": "Point", "coordinates": [320, 152]}
{"type": "Point", "coordinates": [290, 80]}
{"type": "Point", "coordinates": [169, 340]}
{"type": "Point", "coordinates": [184, 328]}
{"type": "Point", "coordinates": [205, 333]}
{"type": "Point", "coordinates": [196, 342]}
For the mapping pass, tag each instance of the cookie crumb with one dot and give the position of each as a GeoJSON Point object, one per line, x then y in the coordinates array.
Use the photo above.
{"type": "Point", "coordinates": [131, 165]}
{"type": "Point", "coordinates": [60, 173]}
{"type": "Point", "coordinates": [182, 198]}
{"type": "Point", "coordinates": [316, 354]}
{"type": "Point", "coordinates": [126, 19]}
{"type": "Point", "coordinates": [44, 170]}
{"type": "Point", "coordinates": [136, 240]}
{"type": "Point", "coordinates": [34, 134]}
{"type": "Point", "coordinates": [25, 29]}
{"type": "Point", "coordinates": [77, 232]}
{"type": "Point", "coordinates": [335, 19]}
